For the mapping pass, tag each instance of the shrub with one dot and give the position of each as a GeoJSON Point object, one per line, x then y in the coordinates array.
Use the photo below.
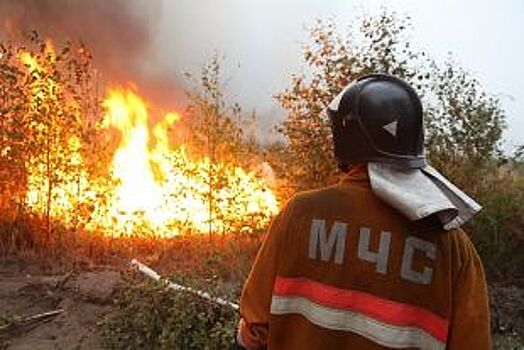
{"type": "Point", "coordinates": [498, 229]}
{"type": "Point", "coordinates": [150, 316]}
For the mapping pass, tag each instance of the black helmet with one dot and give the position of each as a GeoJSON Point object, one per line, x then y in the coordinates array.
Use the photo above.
{"type": "Point", "coordinates": [378, 118]}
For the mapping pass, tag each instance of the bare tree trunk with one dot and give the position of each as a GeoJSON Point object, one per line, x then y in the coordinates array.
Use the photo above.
{"type": "Point", "coordinates": [49, 191]}
{"type": "Point", "coordinates": [211, 142]}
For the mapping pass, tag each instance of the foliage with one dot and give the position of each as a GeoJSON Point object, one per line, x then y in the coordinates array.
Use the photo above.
{"type": "Point", "coordinates": [216, 131]}
{"type": "Point", "coordinates": [464, 124]}
{"type": "Point", "coordinates": [464, 127]}
{"type": "Point", "coordinates": [46, 116]}
{"type": "Point", "coordinates": [498, 229]}
{"type": "Point", "coordinates": [55, 142]}
{"type": "Point", "coordinates": [154, 317]}
{"type": "Point", "coordinates": [148, 313]}
{"type": "Point", "coordinates": [215, 128]}
{"type": "Point", "coordinates": [334, 61]}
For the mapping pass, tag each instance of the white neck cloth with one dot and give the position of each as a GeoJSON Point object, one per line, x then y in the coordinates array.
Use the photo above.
{"type": "Point", "coordinates": [418, 193]}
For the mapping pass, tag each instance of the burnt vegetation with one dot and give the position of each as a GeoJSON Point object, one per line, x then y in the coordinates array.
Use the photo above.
{"type": "Point", "coordinates": [50, 114]}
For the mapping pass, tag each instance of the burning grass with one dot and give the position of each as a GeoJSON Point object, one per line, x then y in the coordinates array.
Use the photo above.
{"type": "Point", "coordinates": [108, 168]}
{"type": "Point", "coordinates": [156, 191]}
{"type": "Point", "coordinates": [228, 256]}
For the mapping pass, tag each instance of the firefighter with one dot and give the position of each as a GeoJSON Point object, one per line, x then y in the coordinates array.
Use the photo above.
{"type": "Point", "coordinates": [379, 260]}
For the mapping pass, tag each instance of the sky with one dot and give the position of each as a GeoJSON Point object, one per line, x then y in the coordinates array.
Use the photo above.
{"type": "Point", "coordinates": [262, 41]}
{"type": "Point", "coordinates": [153, 42]}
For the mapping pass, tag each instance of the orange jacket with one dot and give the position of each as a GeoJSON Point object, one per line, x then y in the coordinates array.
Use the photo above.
{"type": "Point", "coordinates": [340, 269]}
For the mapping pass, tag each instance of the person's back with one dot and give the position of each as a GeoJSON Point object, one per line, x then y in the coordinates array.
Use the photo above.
{"type": "Point", "coordinates": [342, 269]}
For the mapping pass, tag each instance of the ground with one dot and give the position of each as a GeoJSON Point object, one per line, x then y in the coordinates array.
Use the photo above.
{"type": "Point", "coordinates": [87, 294]}
{"type": "Point", "coordinates": [26, 291]}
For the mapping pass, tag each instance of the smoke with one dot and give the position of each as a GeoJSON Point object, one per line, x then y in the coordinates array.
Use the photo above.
{"type": "Point", "coordinates": [119, 34]}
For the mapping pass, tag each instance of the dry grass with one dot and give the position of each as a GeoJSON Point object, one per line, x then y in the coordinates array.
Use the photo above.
{"type": "Point", "coordinates": [64, 250]}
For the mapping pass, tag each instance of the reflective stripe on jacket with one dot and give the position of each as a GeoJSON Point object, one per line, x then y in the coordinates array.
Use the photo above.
{"type": "Point", "coordinates": [340, 269]}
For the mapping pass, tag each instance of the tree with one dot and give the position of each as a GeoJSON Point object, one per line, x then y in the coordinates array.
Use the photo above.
{"type": "Point", "coordinates": [333, 61]}
{"type": "Point", "coordinates": [13, 149]}
{"type": "Point", "coordinates": [46, 117]}
{"type": "Point", "coordinates": [463, 122]}
{"type": "Point", "coordinates": [216, 133]}
{"type": "Point", "coordinates": [464, 126]}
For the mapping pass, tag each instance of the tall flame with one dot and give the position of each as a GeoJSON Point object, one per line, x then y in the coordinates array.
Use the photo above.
{"type": "Point", "coordinates": [178, 195]}
{"type": "Point", "coordinates": [152, 187]}
{"type": "Point", "coordinates": [138, 190]}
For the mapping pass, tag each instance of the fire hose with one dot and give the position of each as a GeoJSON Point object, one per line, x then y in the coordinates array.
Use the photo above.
{"type": "Point", "coordinates": [149, 272]}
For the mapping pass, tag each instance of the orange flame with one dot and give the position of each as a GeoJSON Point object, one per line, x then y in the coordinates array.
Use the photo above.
{"type": "Point", "coordinates": [179, 195]}
{"type": "Point", "coordinates": [153, 189]}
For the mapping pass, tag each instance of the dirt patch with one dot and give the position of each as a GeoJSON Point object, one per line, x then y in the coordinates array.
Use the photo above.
{"type": "Point", "coordinates": [83, 297]}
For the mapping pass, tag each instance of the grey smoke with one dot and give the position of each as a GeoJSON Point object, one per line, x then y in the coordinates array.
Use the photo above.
{"type": "Point", "coordinates": [118, 33]}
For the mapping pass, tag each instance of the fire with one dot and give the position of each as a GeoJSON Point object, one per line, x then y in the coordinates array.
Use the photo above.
{"type": "Point", "coordinates": [152, 187]}
{"type": "Point", "coordinates": [138, 191]}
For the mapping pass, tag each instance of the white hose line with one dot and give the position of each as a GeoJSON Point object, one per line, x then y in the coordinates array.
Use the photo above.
{"type": "Point", "coordinates": [146, 270]}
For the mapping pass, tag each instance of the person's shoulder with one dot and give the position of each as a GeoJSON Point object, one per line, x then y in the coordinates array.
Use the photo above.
{"type": "Point", "coordinates": [460, 238]}
{"type": "Point", "coordinates": [461, 245]}
{"type": "Point", "coordinates": [312, 196]}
